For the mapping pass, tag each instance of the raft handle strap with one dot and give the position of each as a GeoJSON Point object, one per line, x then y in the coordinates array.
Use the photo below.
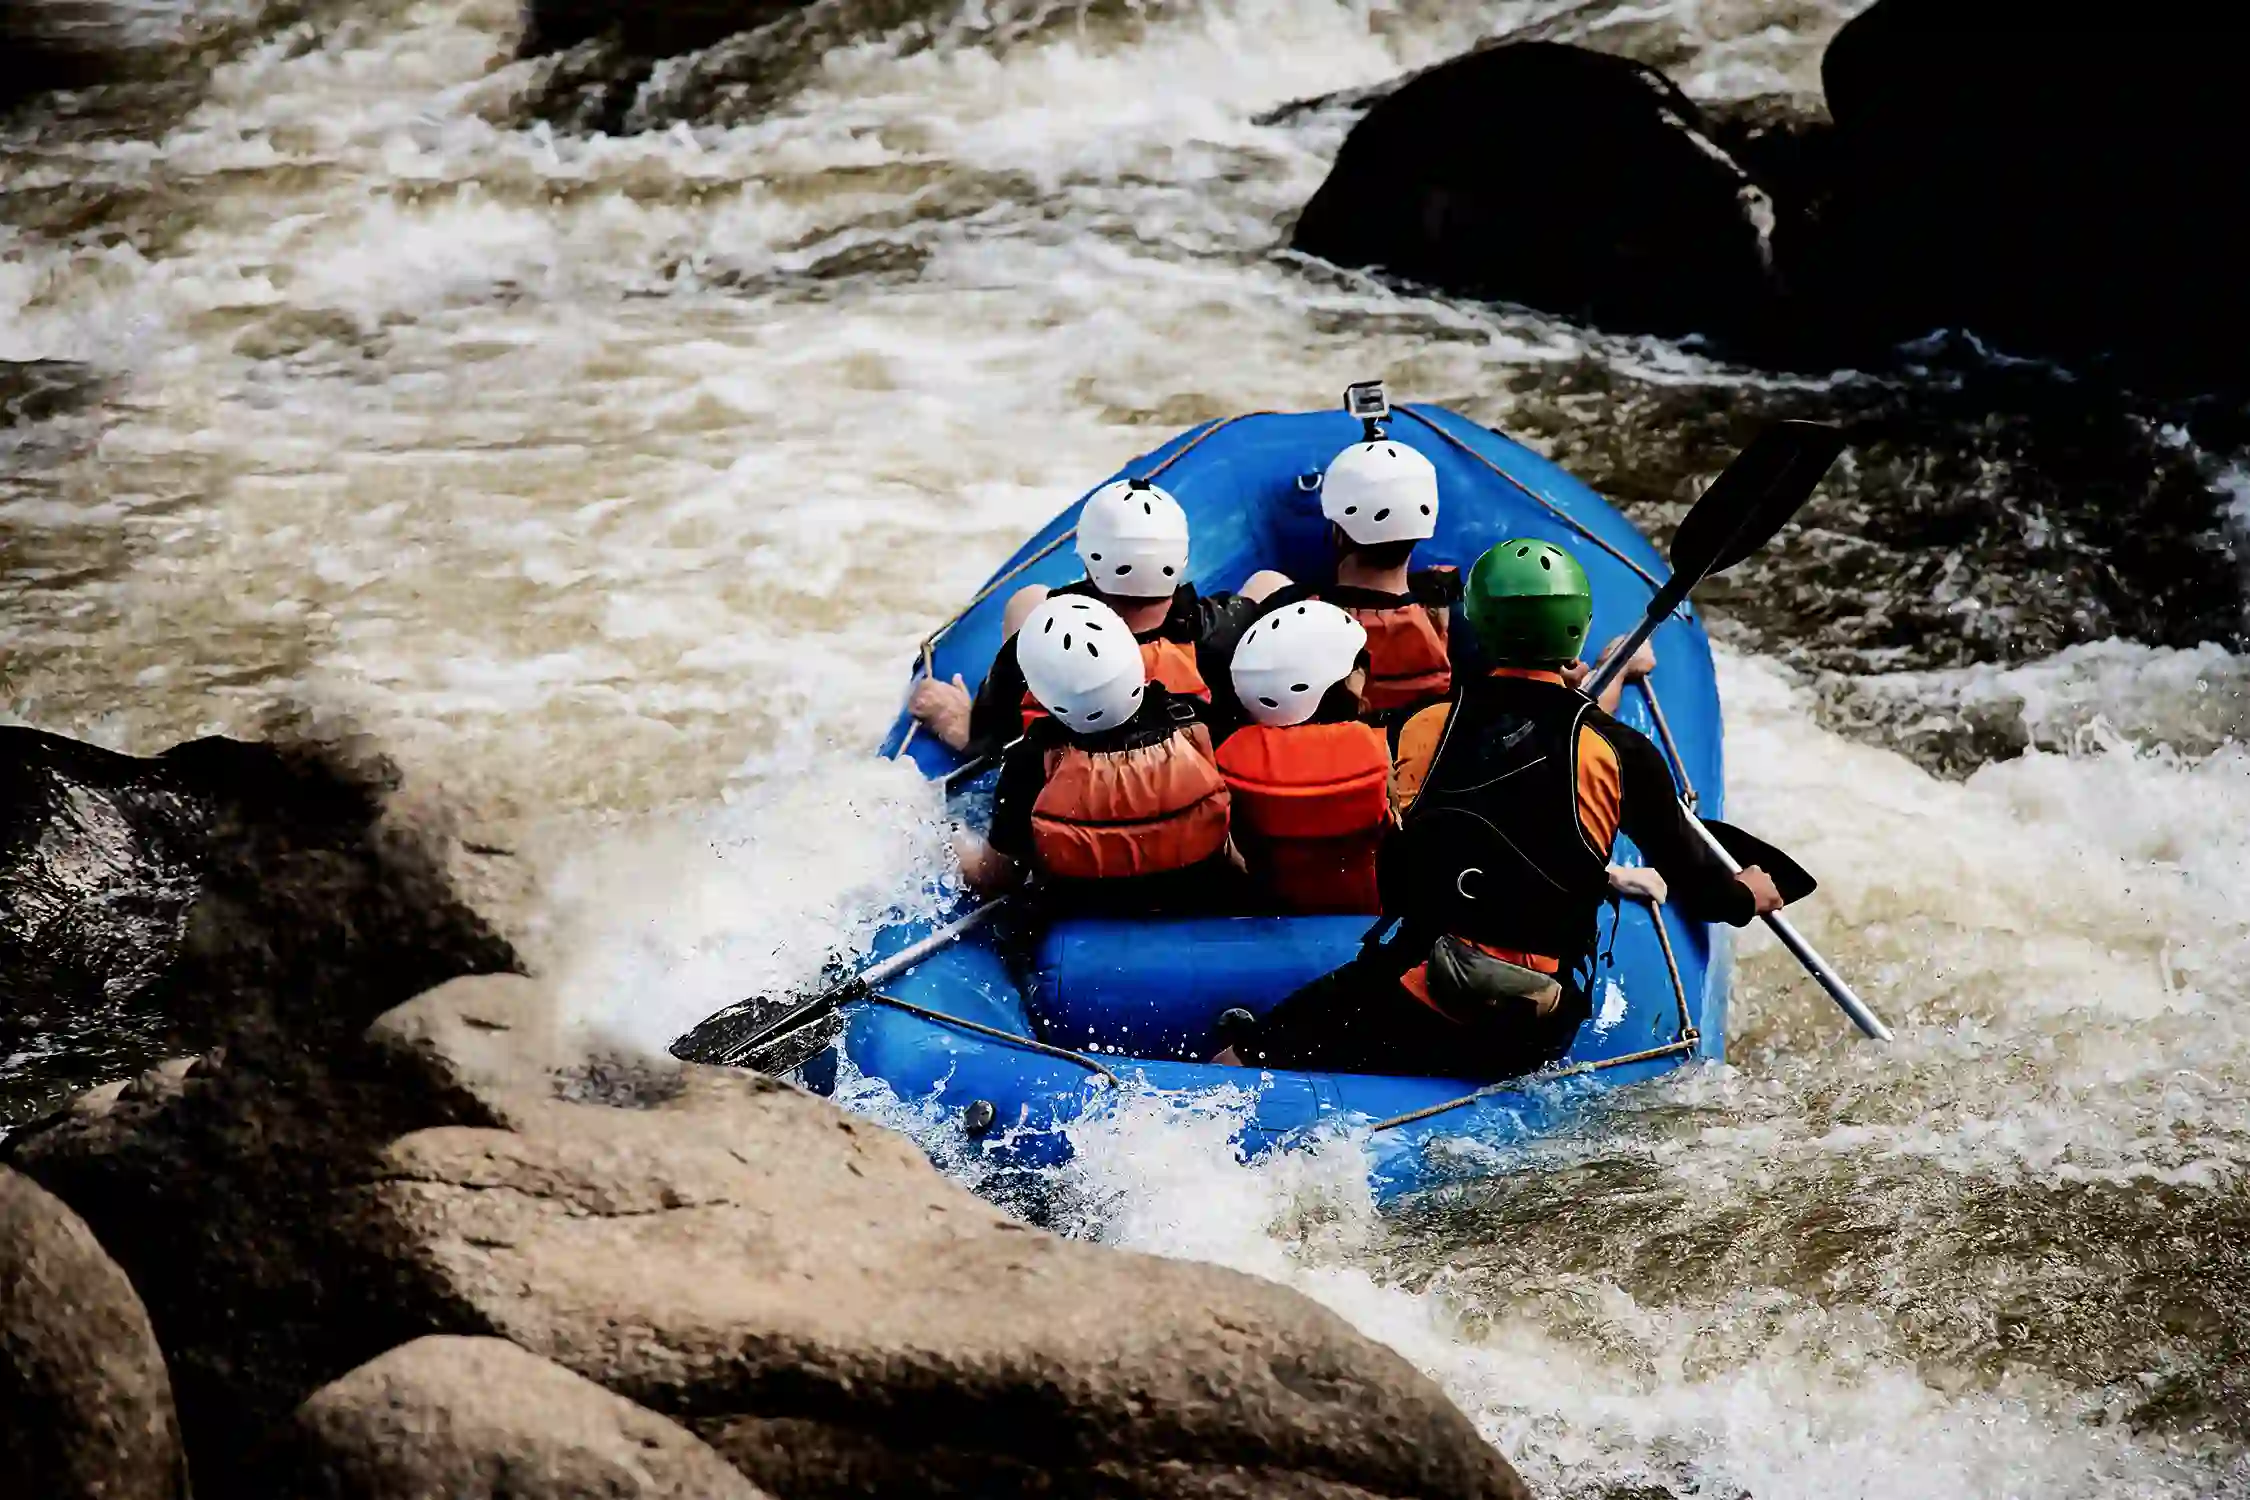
{"type": "Point", "coordinates": [994, 1032]}
{"type": "Point", "coordinates": [1671, 746]}
{"type": "Point", "coordinates": [1542, 501]}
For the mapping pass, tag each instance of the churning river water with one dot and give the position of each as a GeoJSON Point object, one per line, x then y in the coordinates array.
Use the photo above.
{"type": "Point", "coordinates": [606, 484]}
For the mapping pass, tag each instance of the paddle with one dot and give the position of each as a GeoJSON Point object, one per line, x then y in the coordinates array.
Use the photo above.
{"type": "Point", "coordinates": [1793, 880]}
{"type": "Point", "coordinates": [1767, 483]}
{"type": "Point", "coordinates": [737, 1033]}
{"type": "Point", "coordinates": [1749, 502]}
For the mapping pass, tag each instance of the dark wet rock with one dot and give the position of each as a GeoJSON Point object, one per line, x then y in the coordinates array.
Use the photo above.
{"type": "Point", "coordinates": [85, 1402]}
{"type": "Point", "coordinates": [156, 904]}
{"type": "Point", "coordinates": [800, 1288]}
{"type": "Point", "coordinates": [2048, 180]}
{"type": "Point", "coordinates": [1978, 516]}
{"type": "Point", "coordinates": [38, 390]}
{"type": "Point", "coordinates": [618, 79]}
{"type": "Point", "coordinates": [480, 1419]}
{"type": "Point", "coordinates": [46, 46]}
{"type": "Point", "coordinates": [1558, 178]}
{"type": "Point", "coordinates": [2050, 176]}
{"type": "Point", "coordinates": [645, 28]}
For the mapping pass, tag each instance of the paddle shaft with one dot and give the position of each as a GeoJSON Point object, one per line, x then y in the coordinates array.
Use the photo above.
{"type": "Point", "coordinates": [1668, 598]}
{"type": "Point", "coordinates": [865, 980]}
{"type": "Point", "coordinates": [1839, 991]}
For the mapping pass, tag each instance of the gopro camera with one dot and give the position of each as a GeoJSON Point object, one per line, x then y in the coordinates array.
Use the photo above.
{"type": "Point", "coordinates": [1366, 401]}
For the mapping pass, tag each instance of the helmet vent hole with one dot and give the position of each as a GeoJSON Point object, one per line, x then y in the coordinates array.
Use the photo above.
{"type": "Point", "coordinates": [1270, 702]}
{"type": "Point", "coordinates": [1523, 552]}
{"type": "Point", "coordinates": [1351, 510]}
{"type": "Point", "coordinates": [1393, 452]}
{"type": "Point", "coordinates": [1136, 692]}
{"type": "Point", "coordinates": [1090, 718]}
{"type": "Point", "coordinates": [1092, 649]}
{"type": "Point", "coordinates": [1300, 609]}
{"type": "Point", "coordinates": [1546, 562]}
{"type": "Point", "coordinates": [1123, 569]}
{"type": "Point", "coordinates": [1300, 687]}
{"type": "Point", "coordinates": [1168, 572]}
{"type": "Point", "coordinates": [1097, 557]}
{"type": "Point", "coordinates": [1066, 640]}
{"type": "Point", "coordinates": [1050, 626]}
{"type": "Point", "coordinates": [1147, 509]}
{"type": "Point", "coordinates": [1384, 514]}
{"type": "Point", "coordinates": [1425, 510]}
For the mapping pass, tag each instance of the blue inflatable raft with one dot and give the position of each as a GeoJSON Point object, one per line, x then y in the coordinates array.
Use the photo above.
{"type": "Point", "coordinates": [1021, 1034]}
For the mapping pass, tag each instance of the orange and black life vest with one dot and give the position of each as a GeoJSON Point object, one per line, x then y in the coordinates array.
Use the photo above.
{"type": "Point", "coordinates": [1149, 810]}
{"type": "Point", "coordinates": [1162, 660]}
{"type": "Point", "coordinates": [1311, 806]}
{"type": "Point", "coordinates": [1408, 656]}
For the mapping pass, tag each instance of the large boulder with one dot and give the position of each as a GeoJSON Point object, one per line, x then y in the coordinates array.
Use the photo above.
{"type": "Point", "coordinates": [46, 46]}
{"type": "Point", "coordinates": [797, 1286]}
{"type": "Point", "coordinates": [157, 905]}
{"type": "Point", "coordinates": [2051, 176]}
{"type": "Point", "coordinates": [1567, 180]}
{"type": "Point", "coordinates": [85, 1402]}
{"type": "Point", "coordinates": [2042, 179]}
{"type": "Point", "coordinates": [479, 1419]}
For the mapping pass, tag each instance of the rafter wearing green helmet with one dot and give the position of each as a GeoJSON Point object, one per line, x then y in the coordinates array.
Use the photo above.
{"type": "Point", "coordinates": [1529, 603]}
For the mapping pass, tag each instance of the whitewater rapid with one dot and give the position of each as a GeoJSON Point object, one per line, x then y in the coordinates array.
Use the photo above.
{"type": "Point", "coordinates": [607, 484]}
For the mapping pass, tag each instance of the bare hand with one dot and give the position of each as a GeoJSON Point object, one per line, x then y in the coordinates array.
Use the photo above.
{"type": "Point", "coordinates": [1639, 883]}
{"type": "Point", "coordinates": [1639, 664]}
{"type": "Point", "coordinates": [1762, 889]}
{"type": "Point", "coordinates": [983, 868]}
{"type": "Point", "coordinates": [943, 709]}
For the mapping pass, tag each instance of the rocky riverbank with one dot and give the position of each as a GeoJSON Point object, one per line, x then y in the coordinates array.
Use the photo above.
{"type": "Point", "coordinates": [451, 1248]}
{"type": "Point", "coordinates": [369, 1268]}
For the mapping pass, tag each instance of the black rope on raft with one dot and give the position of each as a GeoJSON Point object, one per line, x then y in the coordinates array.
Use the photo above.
{"type": "Point", "coordinates": [1542, 501]}
{"type": "Point", "coordinates": [1671, 746]}
{"type": "Point", "coordinates": [994, 1032]}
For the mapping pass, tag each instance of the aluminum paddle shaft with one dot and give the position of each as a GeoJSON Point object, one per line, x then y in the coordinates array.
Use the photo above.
{"type": "Point", "coordinates": [1806, 954]}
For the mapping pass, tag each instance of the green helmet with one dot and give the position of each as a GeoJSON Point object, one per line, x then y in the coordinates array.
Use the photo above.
{"type": "Point", "coordinates": [1529, 604]}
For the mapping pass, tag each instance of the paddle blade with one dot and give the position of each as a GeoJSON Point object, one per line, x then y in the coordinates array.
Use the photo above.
{"type": "Point", "coordinates": [1793, 880]}
{"type": "Point", "coordinates": [1767, 483]}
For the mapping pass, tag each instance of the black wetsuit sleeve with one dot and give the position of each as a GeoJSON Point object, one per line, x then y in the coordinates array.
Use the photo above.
{"type": "Point", "coordinates": [996, 715]}
{"type": "Point", "coordinates": [1702, 888]}
{"type": "Point", "coordinates": [1023, 774]}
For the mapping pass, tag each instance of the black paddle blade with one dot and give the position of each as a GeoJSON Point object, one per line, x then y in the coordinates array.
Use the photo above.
{"type": "Point", "coordinates": [1757, 494]}
{"type": "Point", "coordinates": [1793, 880]}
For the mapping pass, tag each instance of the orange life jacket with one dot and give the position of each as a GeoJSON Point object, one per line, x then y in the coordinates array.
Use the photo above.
{"type": "Point", "coordinates": [1407, 656]}
{"type": "Point", "coordinates": [1146, 811]}
{"type": "Point", "coordinates": [1169, 662]}
{"type": "Point", "coordinates": [1311, 804]}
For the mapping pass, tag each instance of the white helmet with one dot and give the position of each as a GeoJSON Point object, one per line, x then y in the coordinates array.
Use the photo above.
{"type": "Point", "coordinates": [1133, 539]}
{"type": "Point", "coordinates": [1381, 491]}
{"type": "Point", "coordinates": [1080, 662]}
{"type": "Point", "coordinates": [1289, 660]}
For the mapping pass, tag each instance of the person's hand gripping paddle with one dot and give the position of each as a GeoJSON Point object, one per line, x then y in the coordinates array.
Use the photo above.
{"type": "Point", "coordinates": [1768, 482]}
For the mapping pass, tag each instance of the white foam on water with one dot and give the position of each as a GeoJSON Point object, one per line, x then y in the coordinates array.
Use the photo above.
{"type": "Point", "coordinates": [651, 927]}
